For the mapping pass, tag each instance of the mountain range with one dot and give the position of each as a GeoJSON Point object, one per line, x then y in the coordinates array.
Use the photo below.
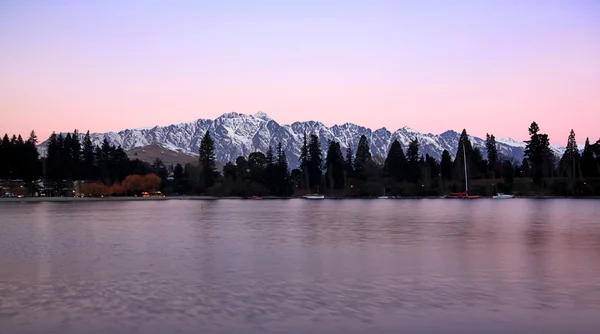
{"type": "Point", "coordinates": [237, 134]}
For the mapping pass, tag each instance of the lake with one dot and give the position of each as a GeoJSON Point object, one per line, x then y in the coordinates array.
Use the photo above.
{"type": "Point", "coordinates": [299, 266]}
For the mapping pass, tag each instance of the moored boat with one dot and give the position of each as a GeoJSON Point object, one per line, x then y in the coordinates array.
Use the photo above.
{"type": "Point", "coordinates": [314, 196]}
{"type": "Point", "coordinates": [463, 194]}
{"type": "Point", "coordinates": [503, 196]}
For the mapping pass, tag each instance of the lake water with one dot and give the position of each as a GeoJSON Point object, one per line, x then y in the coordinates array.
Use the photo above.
{"type": "Point", "coordinates": [298, 266]}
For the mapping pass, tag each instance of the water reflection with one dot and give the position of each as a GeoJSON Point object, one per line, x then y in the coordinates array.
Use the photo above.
{"type": "Point", "coordinates": [296, 266]}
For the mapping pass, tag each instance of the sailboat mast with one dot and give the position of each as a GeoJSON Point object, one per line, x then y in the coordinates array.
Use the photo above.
{"type": "Point", "coordinates": [466, 176]}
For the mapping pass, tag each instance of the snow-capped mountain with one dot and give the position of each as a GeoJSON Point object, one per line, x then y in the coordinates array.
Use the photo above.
{"type": "Point", "coordinates": [238, 134]}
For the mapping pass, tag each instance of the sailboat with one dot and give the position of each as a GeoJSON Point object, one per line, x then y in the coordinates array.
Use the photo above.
{"type": "Point", "coordinates": [463, 194]}
{"type": "Point", "coordinates": [503, 196]}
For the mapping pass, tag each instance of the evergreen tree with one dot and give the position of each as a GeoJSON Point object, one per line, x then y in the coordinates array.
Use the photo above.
{"type": "Point", "coordinates": [102, 158]}
{"type": "Point", "coordinates": [464, 147]}
{"type": "Point", "coordinates": [33, 138]}
{"type": "Point", "coordinates": [446, 166]}
{"type": "Point", "coordinates": [569, 163]}
{"type": "Point", "coordinates": [412, 157]}
{"type": "Point", "coordinates": [72, 155]}
{"type": "Point", "coordinates": [270, 157]}
{"type": "Point", "coordinates": [18, 162]}
{"type": "Point", "coordinates": [52, 162]}
{"type": "Point", "coordinates": [395, 163]}
{"type": "Point", "coordinates": [120, 164]}
{"type": "Point", "coordinates": [349, 163]}
{"type": "Point", "coordinates": [4, 157]}
{"type": "Point", "coordinates": [284, 181]}
{"type": "Point", "coordinates": [88, 163]}
{"type": "Point", "coordinates": [271, 178]}
{"type": "Point", "coordinates": [281, 158]}
{"type": "Point", "coordinates": [334, 162]}
{"type": "Point", "coordinates": [588, 164]}
{"type": "Point", "coordinates": [31, 166]}
{"type": "Point", "coordinates": [492, 153]}
{"type": "Point", "coordinates": [315, 162]}
{"type": "Point", "coordinates": [207, 159]}
{"type": "Point", "coordinates": [304, 162]}
{"type": "Point", "coordinates": [538, 153]}
{"type": "Point", "coordinates": [363, 160]}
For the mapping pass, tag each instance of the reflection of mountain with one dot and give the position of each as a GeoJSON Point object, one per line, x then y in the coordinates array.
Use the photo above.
{"type": "Point", "coordinates": [238, 134]}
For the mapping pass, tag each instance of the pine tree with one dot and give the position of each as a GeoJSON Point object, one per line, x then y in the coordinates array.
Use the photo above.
{"type": "Point", "coordinates": [271, 177]}
{"type": "Point", "coordinates": [315, 161]}
{"type": "Point", "coordinates": [270, 157]}
{"type": "Point", "coordinates": [570, 162]}
{"type": "Point", "coordinates": [349, 162]}
{"type": "Point", "coordinates": [492, 153]}
{"type": "Point", "coordinates": [537, 151]}
{"type": "Point", "coordinates": [363, 160]}
{"type": "Point", "coordinates": [588, 164]}
{"type": "Point", "coordinates": [395, 163]}
{"type": "Point", "coordinates": [32, 138]}
{"type": "Point", "coordinates": [334, 163]}
{"type": "Point", "coordinates": [207, 159]}
{"type": "Point", "coordinates": [284, 181]}
{"type": "Point", "coordinates": [61, 166]}
{"type": "Point", "coordinates": [32, 165]}
{"type": "Point", "coordinates": [4, 149]}
{"type": "Point", "coordinates": [72, 155]}
{"type": "Point", "coordinates": [281, 158]}
{"type": "Point", "coordinates": [102, 158]}
{"type": "Point", "coordinates": [88, 163]}
{"type": "Point", "coordinates": [304, 157]}
{"type": "Point", "coordinates": [464, 147]}
{"type": "Point", "coordinates": [446, 166]}
{"type": "Point", "coordinates": [52, 158]}
{"type": "Point", "coordinates": [304, 163]}
{"type": "Point", "coordinates": [412, 157]}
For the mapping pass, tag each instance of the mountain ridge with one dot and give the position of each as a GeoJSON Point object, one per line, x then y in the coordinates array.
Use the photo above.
{"type": "Point", "coordinates": [238, 134]}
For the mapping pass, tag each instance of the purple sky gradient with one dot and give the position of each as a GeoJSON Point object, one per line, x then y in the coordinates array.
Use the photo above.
{"type": "Point", "coordinates": [487, 66]}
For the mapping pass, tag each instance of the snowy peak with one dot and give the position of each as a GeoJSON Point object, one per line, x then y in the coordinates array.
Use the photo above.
{"type": "Point", "coordinates": [262, 115]}
{"type": "Point", "coordinates": [236, 134]}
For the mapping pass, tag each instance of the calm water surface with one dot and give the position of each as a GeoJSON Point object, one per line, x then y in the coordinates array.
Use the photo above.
{"type": "Point", "coordinates": [297, 266]}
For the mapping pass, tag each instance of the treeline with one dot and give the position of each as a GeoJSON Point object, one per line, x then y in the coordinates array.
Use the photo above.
{"type": "Point", "coordinates": [69, 159]}
{"type": "Point", "coordinates": [404, 172]}
{"type": "Point", "coordinates": [19, 159]}
{"type": "Point", "coordinates": [325, 171]}
{"type": "Point", "coordinates": [257, 175]}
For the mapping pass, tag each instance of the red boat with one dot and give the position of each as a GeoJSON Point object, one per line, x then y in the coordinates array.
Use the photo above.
{"type": "Point", "coordinates": [256, 198]}
{"type": "Point", "coordinates": [462, 195]}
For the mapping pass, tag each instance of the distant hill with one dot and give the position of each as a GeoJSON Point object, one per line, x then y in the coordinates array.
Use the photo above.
{"type": "Point", "coordinates": [168, 156]}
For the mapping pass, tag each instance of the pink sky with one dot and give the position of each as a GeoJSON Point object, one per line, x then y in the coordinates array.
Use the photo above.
{"type": "Point", "coordinates": [433, 67]}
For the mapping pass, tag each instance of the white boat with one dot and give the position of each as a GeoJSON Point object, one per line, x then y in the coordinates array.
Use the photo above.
{"type": "Point", "coordinates": [503, 196]}
{"type": "Point", "coordinates": [383, 197]}
{"type": "Point", "coordinates": [314, 196]}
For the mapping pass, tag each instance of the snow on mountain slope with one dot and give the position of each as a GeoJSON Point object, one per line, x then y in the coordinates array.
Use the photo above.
{"type": "Point", "coordinates": [238, 134]}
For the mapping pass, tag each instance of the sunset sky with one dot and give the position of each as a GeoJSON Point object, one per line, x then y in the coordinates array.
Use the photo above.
{"type": "Point", "coordinates": [487, 66]}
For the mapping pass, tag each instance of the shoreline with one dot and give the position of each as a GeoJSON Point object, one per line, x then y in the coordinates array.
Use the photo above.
{"type": "Point", "coordinates": [213, 198]}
